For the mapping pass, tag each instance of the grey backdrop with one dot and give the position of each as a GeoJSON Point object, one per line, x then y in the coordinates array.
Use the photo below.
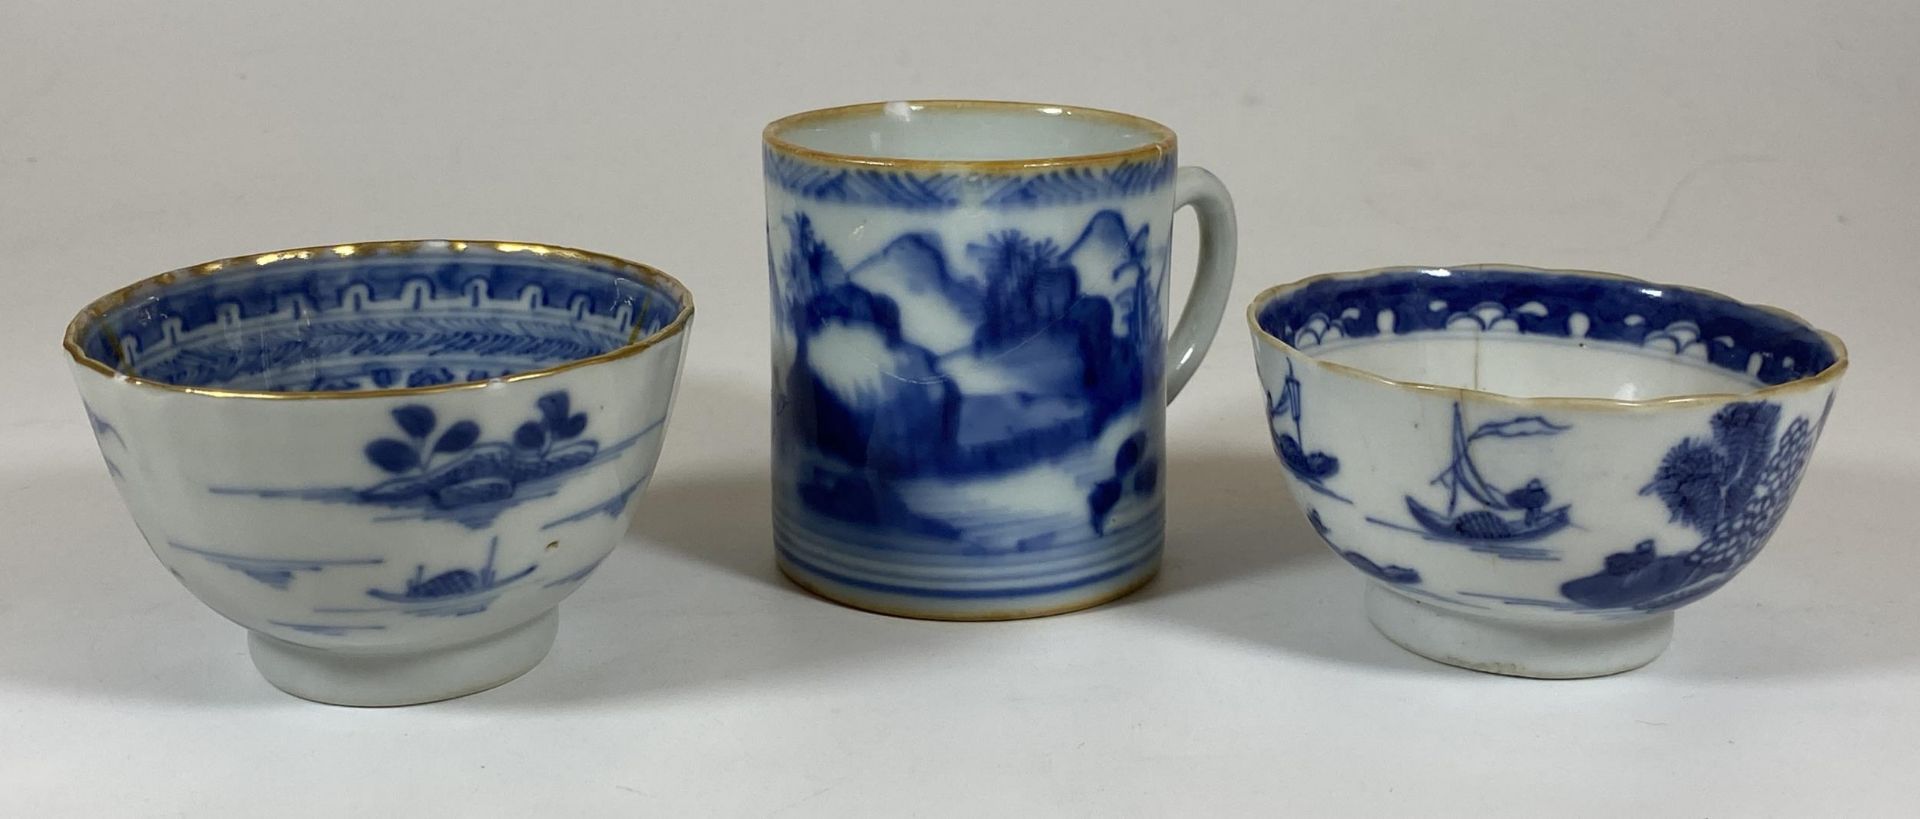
{"type": "Point", "coordinates": [1766, 149]}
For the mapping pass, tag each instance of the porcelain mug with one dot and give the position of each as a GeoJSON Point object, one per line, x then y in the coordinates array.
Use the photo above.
{"type": "Point", "coordinates": [970, 356]}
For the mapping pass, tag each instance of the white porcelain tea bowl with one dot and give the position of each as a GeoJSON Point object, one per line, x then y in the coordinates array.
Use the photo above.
{"type": "Point", "coordinates": [1535, 468]}
{"type": "Point", "coordinates": [388, 461]}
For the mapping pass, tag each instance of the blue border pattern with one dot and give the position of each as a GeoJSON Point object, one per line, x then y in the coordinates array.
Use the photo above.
{"type": "Point", "coordinates": [1768, 346]}
{"type": "Point", "coordinates": [862, 186]}
{"type": "Point", "coordinates": [1074, 185]}
{"type": "Point", "coordinates": [399, 318]}
{"type": "Point", "coordinates": [907, 190]}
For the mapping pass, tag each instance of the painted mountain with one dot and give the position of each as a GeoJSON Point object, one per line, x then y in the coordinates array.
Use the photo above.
{"type": "Point", "coordinates": [1016, 354]}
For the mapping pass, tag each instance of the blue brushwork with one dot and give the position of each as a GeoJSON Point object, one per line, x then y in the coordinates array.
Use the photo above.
{"type": "Point", "coordinates": [1554, 605]}
{"type": "Point", "coordinates": [1075, 185]}
{"type": "Point", "coordinates": [1529, 602]}
{"type": "Point", "coordinates": [277, 572]}
{"type": "Point", "coordinates": [1403, 579]}
{"type": "Point", "coordinates": [1132, 467]}
{"type": "Point", "coordinates": [1736, 337]}
{"type": "Point", "coordinates": [1732, 487]}
{"type": "Point", "coordinates": [869, 187]}
{"type": "Point", "coordinates": [1395, 574]}
{"type": "Point", "coordinates": [101, 429]}
{"type": "Point", "coordinates": [455, 475]}
{"type": "Point", "coordinates": [918, 588]}
{"type": "Point", "coordinates": [379, 319]}
{"type": "Point", "coordinates": [1066, 364]}
{"type": "Point", "coordinates": [326, 629]}
{"type": "Point", "coordinates": [939, 191]}
{"type": "Point", "coordinates": [449, 593]}
{"type": "Point", "coordinates": [611, 507]}
{"type": "Point", "coordinates": [575, 577]}
{"type": "Point", "coordinates": [471, 474]}
{"type": "Point", "coordinates": [1484, 517]}
{"type": "Point", "coordinates": [1310, 468]}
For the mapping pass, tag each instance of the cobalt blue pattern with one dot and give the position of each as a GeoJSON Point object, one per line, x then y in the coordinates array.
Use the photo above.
{"type": "Point", "coordinates": [379, 318]}
{"type": "Point", "coordinates": [277, 572]}
{"type": "Point", "coordinates": [907, 190]}
{"type": "Point", "coordinates": [1771, 347]}
{"type": "Point", "coordinates": [1391, 573]}
{"type": "Point", "coordinates": [862, 186]}
{"type": "Point", "coordinates": [1484, 517]}
{"type": "Point", "coordinates": [449, 593]}
{"type": "Point", "coordinates": [1732, 487]}
{"type": "Point", "coordinates": [1074, 185]}
{"type": "Point", "coordinates": [963, 593]}
{"type": "Point", "coordinates": [1061, 365]}
{"type": "Point", "coordinates": [471, 475]}
{"type": "Point", "coordinates": [979, 407]}
{"type": "Point", "coordinates": [102, 429]}
{"type": "Point", "coordinates": [1310, 468]}
{"type": "Point", "coordinates": [1403, 579]}
{"type": "Point", "coordinates": [453, 475]}
{"type": "Point", "coordinates": [611, 507]}
{"type": "Point", "coordinates": [820, 546]}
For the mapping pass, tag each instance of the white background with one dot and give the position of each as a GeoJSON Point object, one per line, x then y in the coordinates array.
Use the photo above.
{"type": "Point", "coordinates": [1765, 149]}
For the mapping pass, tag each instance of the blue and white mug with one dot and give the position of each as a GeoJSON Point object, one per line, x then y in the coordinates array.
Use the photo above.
{"type": "Point", "coordinates": [970, 355]}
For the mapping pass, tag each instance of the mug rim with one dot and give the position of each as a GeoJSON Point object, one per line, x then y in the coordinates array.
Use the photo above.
{"type": "Point", "coordinates": [234, 266]}
{"type": "Point", "coordinates": [1825, 377]}
{"type": "Point", "coordinates": [1163, 141]}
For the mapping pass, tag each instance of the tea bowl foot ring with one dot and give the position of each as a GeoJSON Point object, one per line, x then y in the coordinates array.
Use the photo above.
{"type": "Point", "coordinates": [403, 677]}
{"type": "Point", "coordinates": [1517, 648]}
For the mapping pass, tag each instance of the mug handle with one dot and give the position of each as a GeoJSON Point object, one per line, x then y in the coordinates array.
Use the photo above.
{"type": "Point", "coordinates": [1219, 243]}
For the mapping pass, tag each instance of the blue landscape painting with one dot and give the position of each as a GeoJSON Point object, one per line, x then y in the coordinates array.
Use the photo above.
{"type": "Point", "coordinates": [457, 472]}
{"type": "Point", "coordinates": [926, 385]}
{"type": "Point", "coordinates": [1732, 487]}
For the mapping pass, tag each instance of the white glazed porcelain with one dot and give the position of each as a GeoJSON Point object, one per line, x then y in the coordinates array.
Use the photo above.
{"type": "Point", "coordinates": [1536, 468]}
{"type": "Point", "coordinates": [388, 461]}
{"type": "Point", "coordinates": [971, 355]}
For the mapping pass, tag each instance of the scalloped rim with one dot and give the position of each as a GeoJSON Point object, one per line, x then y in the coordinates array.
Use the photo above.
{"type": "Point", "coordinates": [1823, 378]}
{"type": "Point", "coordinates": [1163, 143]}
{"type": "Point", "coordinates": [98, 308]}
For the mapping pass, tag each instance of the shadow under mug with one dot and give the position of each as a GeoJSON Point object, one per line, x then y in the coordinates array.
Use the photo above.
{"type": "Point", "coordinates": [970, 356]}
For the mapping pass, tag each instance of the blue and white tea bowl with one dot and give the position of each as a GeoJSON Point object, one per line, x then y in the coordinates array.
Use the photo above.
{"type": "Point", "coordinates": [388, 461]}
{"type": "Point", "coordinates": [1535, 468]}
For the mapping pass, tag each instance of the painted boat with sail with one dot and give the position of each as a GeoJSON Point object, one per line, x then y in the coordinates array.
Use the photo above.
{"type": "Point", "coordinates": [1477, 510]}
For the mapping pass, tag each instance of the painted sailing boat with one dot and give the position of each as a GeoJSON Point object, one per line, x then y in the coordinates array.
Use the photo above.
{"type": "Point", "coordinates": [1311, 468]}
{"type": "Point", "coordinates": [1480, 512]}
{"type": "Point", "coordinates": [454, 584]}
